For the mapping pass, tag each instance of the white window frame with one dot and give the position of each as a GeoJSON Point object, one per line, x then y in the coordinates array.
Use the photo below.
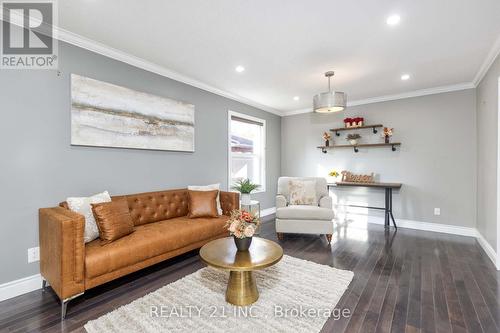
{"type": "Point", "coordinates": [230, 114]}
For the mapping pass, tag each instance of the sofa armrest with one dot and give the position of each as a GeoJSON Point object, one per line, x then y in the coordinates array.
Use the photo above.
{"type": "Point", "coordinates": [62, 250]}
{"type": "Point", "coordinates": [229, 201]}
{"type": "Point", "coordinates": [325, 202]}
{"type": "Point", "coordinates": [280, 201]}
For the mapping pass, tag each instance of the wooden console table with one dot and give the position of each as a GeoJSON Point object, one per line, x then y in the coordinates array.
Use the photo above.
{"type": "Point", "coordinates": [388, 197]}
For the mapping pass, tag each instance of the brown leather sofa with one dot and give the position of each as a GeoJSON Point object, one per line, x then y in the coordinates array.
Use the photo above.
{"type": "Point", "coordinates": [162, 231]}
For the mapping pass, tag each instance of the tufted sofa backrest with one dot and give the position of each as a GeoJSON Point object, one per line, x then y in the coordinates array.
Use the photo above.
{"type": "Point", "coordinates": [156, 206]}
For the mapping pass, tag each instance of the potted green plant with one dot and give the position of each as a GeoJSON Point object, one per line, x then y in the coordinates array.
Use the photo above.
{"type": "Point", "coordinates": [245, 187]}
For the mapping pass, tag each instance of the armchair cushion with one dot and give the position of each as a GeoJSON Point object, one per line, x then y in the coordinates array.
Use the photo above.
{"type": "Point", "coordinates": [303, 192]}
{"type": "Point", "coordinates": [301, 212]}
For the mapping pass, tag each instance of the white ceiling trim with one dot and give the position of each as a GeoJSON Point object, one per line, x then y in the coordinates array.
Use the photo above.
{"type": "Point", "coordinates": [91, 45]}
{"type": "Point", "coordinates": [488, 61]}
{"type": "Point", "coordinates": [112, 53]}
{"type": "Point", "coordinates": [409, 94]}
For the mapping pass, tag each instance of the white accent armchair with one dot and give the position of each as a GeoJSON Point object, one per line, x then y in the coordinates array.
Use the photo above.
{"type": "Point", "coordinates": [304, 219]}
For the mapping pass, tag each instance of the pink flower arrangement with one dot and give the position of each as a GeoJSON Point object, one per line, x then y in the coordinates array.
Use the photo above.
{"type": "Point", "coordinates": [387, 132]}
{"type": "Point", "coordinates": [354, 122]}
{"type": "Point", "coordinates": [242, 224]}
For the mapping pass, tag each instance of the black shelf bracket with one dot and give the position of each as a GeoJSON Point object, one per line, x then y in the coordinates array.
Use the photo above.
{"type": "Point", "coordinates": [356, 149]}
{"type": "Point", "coordinates": [375, 130]}
{"type": "Point", "coordinates": [393, 148]}
{"type": "Point", "coordinates": [323, 150]}
{"type": "Point", "coordinates": [337, 133]}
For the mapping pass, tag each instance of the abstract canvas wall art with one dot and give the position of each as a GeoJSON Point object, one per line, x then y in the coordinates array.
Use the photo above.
{"type": "Point", "coordinates": [107, 115]}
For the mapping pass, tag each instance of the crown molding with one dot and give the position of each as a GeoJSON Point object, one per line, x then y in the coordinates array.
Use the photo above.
{"type": "Point", "coordinates": [409, 94]}
{"type": "Point", "coordinates": [102, 49]}
{"type": "Point", "coordinates": [107, 51]}
{"type": "Point", "coordinates": [488, 61]}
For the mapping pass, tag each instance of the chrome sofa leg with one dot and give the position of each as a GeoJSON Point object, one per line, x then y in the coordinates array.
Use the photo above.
{"type": "Point", "coordinates": [64, 305]}
{"type": "Point", "coordinates": [44, 285]}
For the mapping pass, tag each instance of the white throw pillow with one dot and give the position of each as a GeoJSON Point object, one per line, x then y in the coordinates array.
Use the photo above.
{"type": "Point", "coordinates": [303, 192]}
{"type": "Point", "coordinates": [82, 206]}
{"type": "Point", "coordinates": [209, 188]}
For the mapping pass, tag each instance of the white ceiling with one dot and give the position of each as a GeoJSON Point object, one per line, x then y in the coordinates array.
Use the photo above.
{"type": "Point", "coordinates": [287, 45]}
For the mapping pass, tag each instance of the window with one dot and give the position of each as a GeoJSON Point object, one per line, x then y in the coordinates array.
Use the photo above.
{"type": "Point", "coordinates": [247, 147]}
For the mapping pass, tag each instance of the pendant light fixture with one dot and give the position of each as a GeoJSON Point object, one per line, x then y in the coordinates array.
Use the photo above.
{"type": "Point", "coordinates": [331, 101]}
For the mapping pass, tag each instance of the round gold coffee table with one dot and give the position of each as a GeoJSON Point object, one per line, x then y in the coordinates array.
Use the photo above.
{"type": "Point", "coordinates": [241, 287]}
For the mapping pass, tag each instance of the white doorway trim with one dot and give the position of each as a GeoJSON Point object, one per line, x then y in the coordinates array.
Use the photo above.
{"type": "Point", "coordinates": [498, 179]}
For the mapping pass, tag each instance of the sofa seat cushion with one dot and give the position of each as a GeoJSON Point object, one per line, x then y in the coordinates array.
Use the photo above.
{"type": "Point", "coordinates": [301, 212]}
{"type": "Point", "coordinates": [148, 241]}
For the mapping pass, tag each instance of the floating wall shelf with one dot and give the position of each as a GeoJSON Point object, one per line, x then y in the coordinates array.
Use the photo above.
{"type": "Point", "coordinates": [373, 127]}
{"type": "Point", "coordinates": [393, 146]}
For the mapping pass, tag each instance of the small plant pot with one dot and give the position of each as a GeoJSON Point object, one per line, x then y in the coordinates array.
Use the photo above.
{"type": "Point", "coordinates": [327, 143]}
{"type": "Point", "coordinates": [353, 142]}
{"type": "Point", "coordinates": [245, 199]}
{"type": "Point", "coordinates": [360, 123]}
{"type": "Point", "coordinates": [387, 139]}
{"type": "Point", "coordinates": [242, 244]}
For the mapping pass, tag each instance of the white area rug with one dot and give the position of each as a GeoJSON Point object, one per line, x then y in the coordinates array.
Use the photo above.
{"type": "Point", "coordinates": [295, 296]}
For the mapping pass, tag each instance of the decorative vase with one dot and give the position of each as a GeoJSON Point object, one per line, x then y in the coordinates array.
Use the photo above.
{"type": "Point", "coordinates": [387, 139]}
{"type": "Point", "coordinates": [242, 244]}
{"type": "Point", "coordinates": [245, 199]}
{"type": "Point", "coordinates": [360, 123]}
{"type": "Point", "coordinates": [353, 142]}
{"type": "Point", "coordinates": [327, 143]}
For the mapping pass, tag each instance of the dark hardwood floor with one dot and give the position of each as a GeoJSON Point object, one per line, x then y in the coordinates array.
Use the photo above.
{"type": "Point", "coordinates": [404, 281]}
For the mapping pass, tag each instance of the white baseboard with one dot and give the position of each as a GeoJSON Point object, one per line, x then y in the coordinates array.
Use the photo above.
{"type": "Point", "coordinates": [18, 287]}
{"type": "Point", "coordinates": [436, 227]}
{"type": "Point", "coordinates": [426, 226]}
{"type": "Point", "coordinates": [268, 211]}
{"type": "Point", "coordinates": [490, 252]}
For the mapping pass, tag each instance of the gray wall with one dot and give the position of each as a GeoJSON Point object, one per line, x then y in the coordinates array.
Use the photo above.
{"type": "Point", "coordinates": [39, 168]}
{"type": "Point", "coordinates": [436, 162]}
{"type": "Point", "coordinates": [487, 154]}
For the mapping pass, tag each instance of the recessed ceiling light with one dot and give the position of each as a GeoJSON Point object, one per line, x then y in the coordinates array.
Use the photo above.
{"type": "Point", "coordinates": [405, 77]}
{"type": "Point", "coordinates": [393, 19]}
{"type": "Point", "coordinates": [240, 69]}
{"type": "Point", "coordinates": [296, 98]}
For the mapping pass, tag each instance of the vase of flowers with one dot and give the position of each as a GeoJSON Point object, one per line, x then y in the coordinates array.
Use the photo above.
{"type": "Point", "coordinates": [353, 138]}
{"type": "Point", "coordinates": [358, 121]}
{"type": "Point", "coordinates": [242, 226]}
{"type": "Point", "coordinates": [327, 137]}
{"type": "Point", "coordinates": [347, 122]}
{"type": "Point", "coordinates": [387, 134]}
{"type": "Point", "coordinates": [245, 187]}
{"type": "Point", "coordinates": [354, 122]}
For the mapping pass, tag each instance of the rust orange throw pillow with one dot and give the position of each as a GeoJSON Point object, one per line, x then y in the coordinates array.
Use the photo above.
{"type": "Point", "coordinates": [113, 220]}
{"type": "Point", "coordinates": [202, 204]}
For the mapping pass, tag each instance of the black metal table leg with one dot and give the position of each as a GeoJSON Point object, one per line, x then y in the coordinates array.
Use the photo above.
{"type": "Point", "coordinates": [387, 208]}
{"type": "Point", "coordinates": [390, 208]}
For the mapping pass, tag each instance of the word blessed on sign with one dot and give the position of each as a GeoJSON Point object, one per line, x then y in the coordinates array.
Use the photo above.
{"type": "Point", "coordinates": [351, 177]}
